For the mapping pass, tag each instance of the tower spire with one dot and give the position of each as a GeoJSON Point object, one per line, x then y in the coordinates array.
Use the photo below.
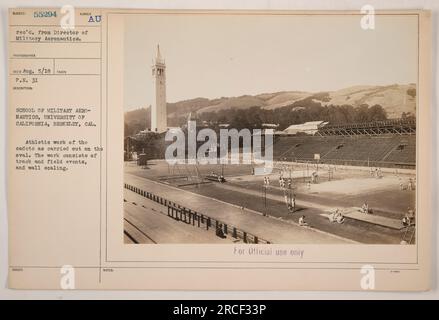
{"type": "Point", "coordinates": [158, 57]}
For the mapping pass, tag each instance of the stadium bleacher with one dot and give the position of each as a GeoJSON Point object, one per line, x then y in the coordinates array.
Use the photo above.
{"type": "Point", "coordinates": [388, 150]}
{"type": "Point", "coordinates": [390, 143]}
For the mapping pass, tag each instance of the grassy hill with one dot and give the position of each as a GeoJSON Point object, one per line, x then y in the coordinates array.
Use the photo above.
{"type": "Point", "coordinates": [393, 98]}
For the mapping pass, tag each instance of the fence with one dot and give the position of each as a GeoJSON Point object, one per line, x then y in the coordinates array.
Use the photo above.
{"type": "Point", "coordinates": [196, 219]}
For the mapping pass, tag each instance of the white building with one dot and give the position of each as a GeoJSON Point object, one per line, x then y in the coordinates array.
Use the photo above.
{"type": "Point", "coordinates": [310, 127]}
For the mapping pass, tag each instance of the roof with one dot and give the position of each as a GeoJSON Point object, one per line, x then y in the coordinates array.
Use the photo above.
{"type": "Point", "coordinates": [309, 127]}
{"type": "Point", "coordinates": [309, 124]}
{"type": "Point", "coordinates": [158, 57]}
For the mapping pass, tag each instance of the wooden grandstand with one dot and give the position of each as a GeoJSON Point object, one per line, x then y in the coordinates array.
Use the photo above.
{"type": "Point", "coordinates": [390, 143]}
{"type": "Point", "coordinates": [375, 128]}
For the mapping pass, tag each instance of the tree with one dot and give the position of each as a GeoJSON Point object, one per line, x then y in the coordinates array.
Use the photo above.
{"type": "Point", "coordinates": [376, 113]}
{"type": "Point", "coordinates": [411, 92]}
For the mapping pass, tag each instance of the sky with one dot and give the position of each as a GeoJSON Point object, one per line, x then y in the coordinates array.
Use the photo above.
{"type": "Point", "coordinates": [216, 56]}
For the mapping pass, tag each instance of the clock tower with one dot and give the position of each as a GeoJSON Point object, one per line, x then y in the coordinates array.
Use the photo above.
{"type": "Point", "coordinates": [158, 110]}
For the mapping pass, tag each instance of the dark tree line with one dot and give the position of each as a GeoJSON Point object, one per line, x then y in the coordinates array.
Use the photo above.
{"type": "Point", "coordinates": [254, 117]}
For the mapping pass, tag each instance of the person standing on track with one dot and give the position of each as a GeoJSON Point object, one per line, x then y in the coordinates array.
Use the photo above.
{"type": "Point", "coordinates": [302, 222]}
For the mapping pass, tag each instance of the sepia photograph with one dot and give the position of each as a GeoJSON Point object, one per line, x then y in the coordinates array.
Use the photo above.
{"type": "Point", "coordinates": [232, 150]}
{"type": "Point", "coordinates": [270, 129]}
